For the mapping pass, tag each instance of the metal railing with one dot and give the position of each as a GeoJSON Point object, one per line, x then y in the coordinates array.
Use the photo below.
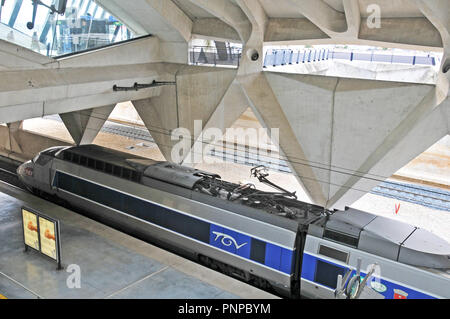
{"type": "Point", "coordinates": [286, 57]}
{"type": "Point", "coordinates": [210, 55]}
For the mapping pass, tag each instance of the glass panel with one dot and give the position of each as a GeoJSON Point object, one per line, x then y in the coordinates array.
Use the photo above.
{"type": "Point", "coordinates": [214, 53]}
{"type": "Point", "coordinates": [84, 26]}
{"type": "Point", "coordinates": [333, 253]}
{"type": "Point", "coordinates": [327, 274]}
{"type": "Point", "coordinates": [83, 160]}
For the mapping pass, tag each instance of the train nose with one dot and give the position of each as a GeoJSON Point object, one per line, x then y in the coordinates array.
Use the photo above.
{"type": "Point", "coordinates": [20, 170]}
{"type": "Point", "coordinates": [24, 170]}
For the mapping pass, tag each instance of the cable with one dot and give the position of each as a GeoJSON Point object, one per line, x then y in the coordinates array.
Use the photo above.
{"type": "Point", "coordinates": [286, 159]}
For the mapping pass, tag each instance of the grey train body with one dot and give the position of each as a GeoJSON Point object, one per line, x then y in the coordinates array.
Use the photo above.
{"type": "Point", "coordinates": [293, 247]}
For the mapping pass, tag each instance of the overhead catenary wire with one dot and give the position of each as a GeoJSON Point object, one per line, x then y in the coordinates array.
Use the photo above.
{"type": "Point", "coordinates": [167, 133]}
{"type": "Point", "coordinates": [286, 157]}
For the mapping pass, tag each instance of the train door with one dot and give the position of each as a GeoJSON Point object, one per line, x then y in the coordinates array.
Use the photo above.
{"type": "Point", "coordinates": [321, 266]}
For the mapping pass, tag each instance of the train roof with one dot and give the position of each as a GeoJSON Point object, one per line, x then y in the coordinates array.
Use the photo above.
{"type": "Point", "coordinates": [111, 156]}
{"type": "Point", "coordinates": [177, 174]}
{"type": "Point", "coordinates": [165, 171]}
{"type": "Point", "coordinates": [181, 180]}
{"type": "Point", "coordinates": [385, 237]}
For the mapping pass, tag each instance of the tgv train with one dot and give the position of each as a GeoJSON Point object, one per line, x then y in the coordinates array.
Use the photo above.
{"type": "Point", "coordinates": [268, 239]}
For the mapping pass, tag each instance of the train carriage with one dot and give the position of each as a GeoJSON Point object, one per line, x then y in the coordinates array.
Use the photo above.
{"type": "Point", "coordinates": [270, 240]}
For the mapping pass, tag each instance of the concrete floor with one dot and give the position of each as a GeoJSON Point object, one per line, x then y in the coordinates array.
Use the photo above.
{"type": "Point", "coordinates": [113, 265]}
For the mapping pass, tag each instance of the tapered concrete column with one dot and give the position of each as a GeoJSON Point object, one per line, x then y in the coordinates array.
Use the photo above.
{"type": "Point", "coordinates": [233, 104]}
{"type": "Point", "coordinates": [159, 115]}
{"type": "Point", "coordinates": [12, 140]}
{"type": "Point", "coordinates": [345, 127]}
{"type": "Point", "coordinates": [188, 105]}
{"type": "Point", "coordinates": [84, 125]}
{"type": "Point", "coordinates": [446, 112]}
{"type": "Point", "coordinates": [270, 113]}
{"type": "Point", "coordinates": [421, 134]}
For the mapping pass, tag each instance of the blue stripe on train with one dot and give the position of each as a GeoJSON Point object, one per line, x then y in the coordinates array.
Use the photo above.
{"type": "Point", "coordinates": [234, 242]}
{"type": "Point", "coordinates": [279, 258]}
{"type": "Point", "coordinates": [309, 267]}
{"type": "Point", "coordinates": [275, 257]}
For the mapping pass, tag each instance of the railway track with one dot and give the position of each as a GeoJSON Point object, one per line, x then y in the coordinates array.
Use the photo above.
{"type": "Point", "coordinates": [422, 195]}
{"type": "Point", "coordinates": [8, 174]}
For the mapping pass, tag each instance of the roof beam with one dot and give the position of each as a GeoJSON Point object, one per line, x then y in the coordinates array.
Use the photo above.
{"type": "Point", "coordinates": [228, 13]}
{"type": "Point", "coordinates": [35, 93]}
{"type": "Point", "coordinates": [329, 20]}
{"type": "Point", "coordinates": [161, 18]}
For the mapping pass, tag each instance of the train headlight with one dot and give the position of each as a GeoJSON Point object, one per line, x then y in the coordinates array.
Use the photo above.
{"type": "Point", "coordinates": [29, 171]}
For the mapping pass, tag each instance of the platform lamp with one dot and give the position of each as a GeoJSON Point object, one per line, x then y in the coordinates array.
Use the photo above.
{"type": "Point", "coordinates": [60, 9]}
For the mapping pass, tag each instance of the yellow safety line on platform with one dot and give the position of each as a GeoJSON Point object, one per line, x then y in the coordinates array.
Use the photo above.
{"type": "Point", "coordinates": [2, 297]}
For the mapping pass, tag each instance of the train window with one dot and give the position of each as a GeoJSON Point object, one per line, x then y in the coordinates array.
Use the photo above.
{"type": "Point", "coordinates": [75, 158]}
{"type": "Point", "coordinates": [83, 160]}
{"type": "Point", "coordinates": [108, 168]}
{"type": "Point", "coordinates": [126, 173]}
{"type": "Point", "coordinates": [117, 171]}
{"type": "Point", "coordinates": [52, 152]}
{"type": "Point", "coordinates": [91, 163]}
{"type": "Point", "coordinates": [135, 176]}
{"type": "Point", "coordinates": [43, 160]}
{"type": "Point", "coordinates": [67, 156]}
{"type": "Point", "coordinates": [327, 274]}
{"type": "Point", "coordinates": [333, 253]}
{"type": "Point", "coordinates": [99, 165]}
{"type": "Point", "coordinates": [340, 237]}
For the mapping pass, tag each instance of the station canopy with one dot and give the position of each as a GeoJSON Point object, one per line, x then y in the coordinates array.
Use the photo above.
{"type": "Point", "coordinates": [84, 26]}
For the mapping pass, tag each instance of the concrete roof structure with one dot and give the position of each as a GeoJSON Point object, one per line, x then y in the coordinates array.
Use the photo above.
{"type": "Point", "coordinates": [341, 136]}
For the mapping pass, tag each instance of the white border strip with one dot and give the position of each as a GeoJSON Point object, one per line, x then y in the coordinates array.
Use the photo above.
{"type": "Point", "coordinates": [384, 278]}
{"type": "Point", "coordinates": [178, 234]}
{"type": "Point", "coordinates": [180, 212]}
{"type": "Point", "coordinates": [18, 283]}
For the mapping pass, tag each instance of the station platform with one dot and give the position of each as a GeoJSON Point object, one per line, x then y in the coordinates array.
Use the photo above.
{"type": "Point", "coordinates": [112, 264]}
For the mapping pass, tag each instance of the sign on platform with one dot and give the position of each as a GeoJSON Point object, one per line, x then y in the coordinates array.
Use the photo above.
{"type": "Point", "coordinates": [42, 234]}
{"type": "Point", "coordinates": [48, 238]}
{"type": "Point", "coordinates": [30, 229]}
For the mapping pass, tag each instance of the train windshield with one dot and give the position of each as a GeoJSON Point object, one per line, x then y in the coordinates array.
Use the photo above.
{"type": "Point", "coordinates": [52, 152]}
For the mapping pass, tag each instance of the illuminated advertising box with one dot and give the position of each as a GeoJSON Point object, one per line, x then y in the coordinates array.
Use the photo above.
{"type": "Point", "coordinates": [42, 234]}
{"type": "Point", "coordinates": [47, 232]}
{"type": "Point", "coordinates": [30, 229]}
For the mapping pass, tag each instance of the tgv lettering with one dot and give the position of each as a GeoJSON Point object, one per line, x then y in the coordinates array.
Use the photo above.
{"type": "Point", "coordinates": [227, 240]}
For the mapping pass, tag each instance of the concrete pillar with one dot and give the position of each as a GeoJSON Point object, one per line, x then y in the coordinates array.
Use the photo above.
{"type": "Point", "coordinates": [345, 127]}
{"type": "Point", "coordinates": [270, 113]}
{"type": "Point", "coordinates": [84, 125]}
{"type": "Point", "coordinates": [403, 147]}
{"type": "Point", "coordinates": [233, 104]}
{"type": "Point", "coordinates": [194, 99]}
{"type": "Point", "coordinates": [12, 140]}
{"type": "Point", "coordinates": [22, 145]}
{"type": "Point", "coordinates": [159, 115]}
{"type": "Point", "coordinates": [446, 112]}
